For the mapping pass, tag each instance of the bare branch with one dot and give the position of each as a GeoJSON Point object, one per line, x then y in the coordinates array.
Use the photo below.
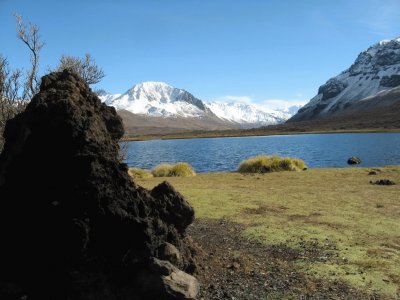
{"type": "Point", "coordinates": [15, 88]}
{"type": "Point", "coordinates": [86, 67]}
{"type": "Point", "coordinates": [32, 41]}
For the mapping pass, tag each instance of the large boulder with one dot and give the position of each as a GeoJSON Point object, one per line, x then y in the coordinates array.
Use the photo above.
{"type": "Point", "coordinates": [73, 225]}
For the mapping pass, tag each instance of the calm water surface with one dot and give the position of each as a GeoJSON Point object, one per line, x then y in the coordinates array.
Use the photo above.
{"type": "Point", "coordinates": [225, 154]}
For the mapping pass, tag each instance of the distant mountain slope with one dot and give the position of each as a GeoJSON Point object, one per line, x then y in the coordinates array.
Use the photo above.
{"type": "Point", "coordinates": [139, 124]}
{"type": "Point", "coordinates": [157, 107]}
{"type": "Point", "coordinates": [375, 71]}
{"type": "Point", "coordinates": [105, 97]}
{"type": "Point", "coordinates": [246, 114]}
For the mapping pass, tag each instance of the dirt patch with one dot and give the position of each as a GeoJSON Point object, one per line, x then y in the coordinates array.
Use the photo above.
{"type": "Point", "coordinates": [231, 266]}
{"type": "Point", "coordinates": [312, 219]}
{"type": "Point", "coordinates": [264, 209]}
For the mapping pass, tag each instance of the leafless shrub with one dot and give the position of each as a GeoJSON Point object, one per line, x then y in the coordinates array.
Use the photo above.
{"type": "Point", "coordinates": [11, 102]}
{"type": "Point", "coordinates": [17, 88]}
{"type": "Point", "coordinates": [86, 67]}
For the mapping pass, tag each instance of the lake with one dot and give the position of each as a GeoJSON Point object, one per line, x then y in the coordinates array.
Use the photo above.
{"type": "Point", "coordinates": [225, 154]}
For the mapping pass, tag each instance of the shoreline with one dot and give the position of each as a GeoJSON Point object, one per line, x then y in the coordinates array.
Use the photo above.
{"type": "Point", "coordinates": [222, 134]}
{"type": "Point", "coordinates": [331, 169]}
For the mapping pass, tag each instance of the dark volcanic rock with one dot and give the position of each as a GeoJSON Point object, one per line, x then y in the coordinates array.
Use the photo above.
{"type": "Point", "coordinates": [73, 224]}
{"type": "Point", "coordinates": [354, 160]}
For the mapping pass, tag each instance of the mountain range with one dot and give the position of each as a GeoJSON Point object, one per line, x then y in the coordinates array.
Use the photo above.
{"type": "Point", "coordinates": [158, 108]}
{"type": "Point", "coordinates": [366, 95]}
{"type": "Point", "coordinates": [369, 86]}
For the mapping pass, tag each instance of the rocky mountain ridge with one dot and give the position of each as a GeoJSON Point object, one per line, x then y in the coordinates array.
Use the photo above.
{"type": "Point", "coordinates": [376, 70]}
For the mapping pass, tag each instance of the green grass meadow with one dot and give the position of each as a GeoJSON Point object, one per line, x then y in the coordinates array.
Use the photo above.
{"type": "Point", "coordinates": [338, 207]}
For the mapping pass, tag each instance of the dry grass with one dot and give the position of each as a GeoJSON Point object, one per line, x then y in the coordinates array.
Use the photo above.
{"type": "Point", "coordinates": [266, 164]}
{"type": "Point", "coordinates": [180, 169]}
{"type": "Point", "coordinates": [333, 206]}
{"type": "Point", "coordinates": [137, 173]}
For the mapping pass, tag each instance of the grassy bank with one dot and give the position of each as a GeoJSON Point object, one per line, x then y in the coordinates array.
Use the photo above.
{"type": "Point", "coordinates": [336, 208]}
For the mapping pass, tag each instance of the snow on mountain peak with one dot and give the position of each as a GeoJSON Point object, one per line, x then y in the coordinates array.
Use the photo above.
{"type": "Point", "coordinates": [153, 91]}
{"type": "Point", "coordinates": [384, 42]}
{"type": "Point", "coordinates": [159, 99]}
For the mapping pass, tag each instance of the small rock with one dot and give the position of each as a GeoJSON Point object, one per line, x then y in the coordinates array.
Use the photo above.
{"type": "Point", "coordinates": [372, 173]}
{"type": "Point", "coordinates": [354, 160]}
{"type": "Point", "coordinates": [383, 182]}
{"type": "Point", "coordinates": [181, 285]}
{"type": "Point", "coordinates": [234, 266]}
{"type": "Point", "coordinates": [166, 281]}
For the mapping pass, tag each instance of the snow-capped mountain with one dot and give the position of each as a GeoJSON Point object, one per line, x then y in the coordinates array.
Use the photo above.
{"type": "Point", "coordinates": [289, 111]}
{"type": "Point", "coordinates": [107, 98]}
{"type": "Point", "coordinates": [242, 113]}
{"type": "Point", "coordinates": [375, 70]}
{"type": "Point", "coordinates": [158, 99]}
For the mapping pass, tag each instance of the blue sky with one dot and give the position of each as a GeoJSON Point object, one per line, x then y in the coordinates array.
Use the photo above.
{"type": "Point", "coordinates": [244, 50]}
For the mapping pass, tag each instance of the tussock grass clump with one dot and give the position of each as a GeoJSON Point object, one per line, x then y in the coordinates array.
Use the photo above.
{"type": "Point", "coordinates": [266, 164]}
{"type": "Point", "coordinates": [163, 170]}
{"type": "Point", "coordinates": [137, 173]}
{"type": "Point", "coordinates": [180, 169]}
